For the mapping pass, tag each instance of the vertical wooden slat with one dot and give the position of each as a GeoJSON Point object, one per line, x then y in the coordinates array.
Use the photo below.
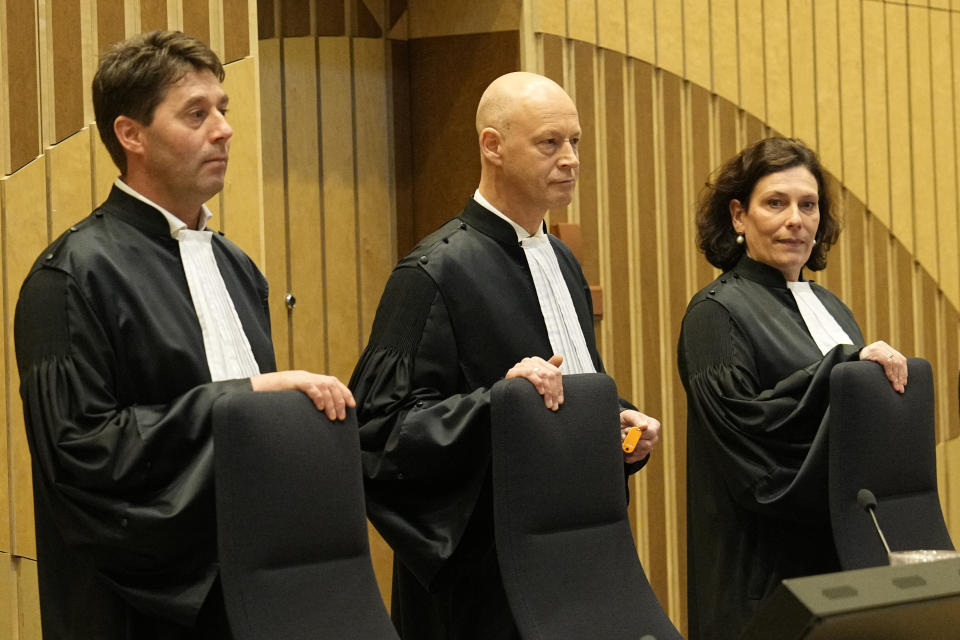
{"type": "Point", "coordinates": [552, 59]}
{"type": "Point", "coordinates": [67, 68]}
{"type": "Point", "coordinates": [853, 241]}
{"type": "Point", "coordinates": [550, 16]}
{"type": "Point", "coordinates": [750, 45]}
{"type": "Point", "coordinates": [669, 32]}
{"type": "Point", "coordinates": [20, 54]}
{"type": "Point", "coordinates": [582, 20]}
{"type": "Point", "coordinates": [944, 142]}
{"type": "Point", "coordinates": [295, 18]}
{"type": "Point", "coordinates": [275, 231]}
{"type": "Point", "coordinates": [827, 56]}
{"type": "Point", "coordinates": [851, 99]}
{"type": "Point", "coordinates": [905, 299]}
{"type": "Point", "coordinates": [875, 111]}
{"type": "Point", "coordinates": [68, 177]}
{"type": "Point", "coordinates": [24, 204]}
{"type": "Point", "coordinates": [241, 218]}
{"type": "Point", "coordinates": [778, 99]}
{"type": "Point", "coordinates": [898, 104]}
{"type": "Point", "coordinates": [307, 276]}
{"type": "Point", "coordinates": [9, 624]}
{"type": "Point", "coordinates": [802, 73]}
{"type": "Point", "coordinates": [921, 139]}
{"type": "Point", "coordinates": [726, 58]}
{"type": "Point", "coordinates": [611, 25]}
{"type": "Point", "coordinates": [6, 325]}
{"type": "Point", "coordinates": [331, 18]}
{"type": "Point", "coordinates": [375, 215]}
{"type": "Point", "coordinates": [153, 15]}
{"type": "Point", "coordinates": [951, 332]}
{"type": "Point", "coordinates": [110, 23]}
{"type": "Point", "coordinates": [339, 207]}
{"type": "Point", "coordinates": [879, 272]}
{"type": "Point", "coordinates": [674, 247]}
{"type": "Point", "coordinates": [28, 601]}
{"type": "Point", "coordinates": [641, 38]}
{"type": "Point", "coordinates": [953, 485]}
{"type": "Point", "coordinates": [267, 19]}
{"type": "Point", "coordinates": [651, 401]}
{"type": "Point", "coordinates": [928, 345]}
{"type": "Point", "coordinates": [696, 43]}
{"type": "Point", "coordinates": [588, 190]}
{"type": "Point", "coordinates": [401, 105]}
{"type": "Point", "coordinates": [196, 20]}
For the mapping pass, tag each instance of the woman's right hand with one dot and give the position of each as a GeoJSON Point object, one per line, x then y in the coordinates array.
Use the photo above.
{"type": "Point", "coordinates": [893, 362]}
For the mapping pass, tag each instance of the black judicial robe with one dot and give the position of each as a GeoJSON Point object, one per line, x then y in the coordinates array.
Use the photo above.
{"type": "Point", "coordinates": [456, 314]}
{"type": "Point", "coordinates": [117, 399]}
{"type": "Point", "coordinates": [757, 397]}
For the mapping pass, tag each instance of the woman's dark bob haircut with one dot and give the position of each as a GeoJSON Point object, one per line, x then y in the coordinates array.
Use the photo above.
{"type": "Point", "coordinates": [735, 181]}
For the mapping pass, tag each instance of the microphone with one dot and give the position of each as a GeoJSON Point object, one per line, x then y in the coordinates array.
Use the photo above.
{"type": "Point", "coordinates": [868, 502]}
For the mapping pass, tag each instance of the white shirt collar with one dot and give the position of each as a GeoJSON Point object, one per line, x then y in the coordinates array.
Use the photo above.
{"type": "Point", "coordinates": [522, 234]}
{"type": "Point", "coordinates": [176, 224]}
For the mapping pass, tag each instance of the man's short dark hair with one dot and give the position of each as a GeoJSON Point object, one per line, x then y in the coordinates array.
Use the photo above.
{"type": "Point", "coordinates": [134, 75]}
{"type": "Point", "coordinates": [735, 181]}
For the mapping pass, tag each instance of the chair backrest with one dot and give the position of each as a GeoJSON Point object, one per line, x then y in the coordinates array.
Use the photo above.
{"type": "Point", "coordinates": [885, 442]}
{"type": "Point", "coordinates": [292, 533]}
{"type": "Point", "coordinates": [567, 556]}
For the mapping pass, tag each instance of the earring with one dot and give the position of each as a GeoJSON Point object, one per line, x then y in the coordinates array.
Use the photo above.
{"type": "Point", "coordinates": [739, 238]}
{"type": "Point", "coordinates": [814, 242]}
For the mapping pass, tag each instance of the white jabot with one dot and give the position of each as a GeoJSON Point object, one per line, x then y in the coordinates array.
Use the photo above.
{"type": "Point", "coordinates": [228, 351]}
{"type": "Point", "coordinates": [556, 305]}
{"type": "Point", "coordinates": [826, 332]}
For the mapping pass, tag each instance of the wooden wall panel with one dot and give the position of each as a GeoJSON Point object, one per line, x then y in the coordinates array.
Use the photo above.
{"type": "Point", "coordinates": [853, 249]}
{"type": "Point", "coordinates": [898, 105]}
{"type": "Point", "coordinates": [295, 18]}
{"type": "Point", "coordinates": [68, 165]}
{"type": "Point", "coordinates": [429, 18]}
{"type": "Point", "coordinates": [24, 203]}
{"type": "Point", "coordinates": [921, 139]}
{"type": "Point", "coordinates": [67, 68]}
{"type": "Point", "coordinates": [307, 277]}
{"type": "Point", "coordinates": [587, 200]}
{"type": "Point", "coordinates": [611, 25]}
{"type": "Point", "coordinates": [196, 20]}
{"type": "Point", "coordinates": [20, 55]}
{"type": "Point", "coordinates": [649, 399]}
{"type": "Point", "coordinates": [875, 110]}
{"type": "Point", "coordinates": [851, 99]}
{"type": "Point", "coordinates": [28, 600]}
{"type": "Point", "coordinates": [8, 597]}
{"type": "Point", "coordinates": [802, 71]}
{"type": "Point", "coordinates": [376, 216]}
{"type": "Point", "coordinates": [951, 345]}
{"type": "Point", "coordinates": [641, 41]}
{"type": "Point", "coordinates": [777, 56]}
{"type": "Point", "coordinates": [236, 30]}
{"type": "Point", "coordinates": [582, 20]}
{"type": "Point", "coordinates": [275, 227]}
{"type": "Point", "coordinates": [696, 23]}
{"type": "Point", "coordinates": [339, 217]}
{"type": "Point", "coordinates": [725, 56]}
{"type": "Point", "coordinates": [905, 299]}
{"type": "Point", "coordinates": [752, 96]}
{"type": "Point", "coordinates": [944, 163]}
{"type": "Point", "coordinates": [669, 25]}
{"type": "Point", "coordinates": [240, 218]}
{"type": "Point", "coordinates": [153, 15]}
{"type": "Point", "coordinates": [549, 16]}
{"type": "Point", "coordinates": [827, 82]}
{"type": "Point", "coordinates": [882, 284]}
{"type": "Point", "coordinates": [953, 486]}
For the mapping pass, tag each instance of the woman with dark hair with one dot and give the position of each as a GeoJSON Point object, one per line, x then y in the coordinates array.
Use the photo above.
{"type": "Point", "coordinates": [755, 355]}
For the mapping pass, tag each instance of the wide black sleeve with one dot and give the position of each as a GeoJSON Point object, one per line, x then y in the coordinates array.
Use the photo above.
{"type": "Point", "coordinates": [766, 439]}
{"type": "Point", "coordinates": [424, 437]}
{"type": "Point", "coordinates": [132, 484]}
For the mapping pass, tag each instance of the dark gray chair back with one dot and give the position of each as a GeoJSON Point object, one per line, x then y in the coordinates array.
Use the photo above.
{"type": "Point", "coordinates": [291, 522]}
{"type": "Point", "coordinates": [567, 556]}
{"type": "Point", "coordinates": [885, 442]}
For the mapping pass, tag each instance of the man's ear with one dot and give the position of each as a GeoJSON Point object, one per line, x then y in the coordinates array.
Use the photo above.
{"type": "Point", "coordinates": [736, 215]}
{"type": "Point", "coordinates": [491, 145]}
{"type": "Point", "coordinates": [129, 134]}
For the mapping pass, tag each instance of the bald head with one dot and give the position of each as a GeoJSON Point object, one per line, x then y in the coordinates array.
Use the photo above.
{"type": "Point", "coordinates": [528, 131]}
{"type": "Point", "coordinates": [512, 94]}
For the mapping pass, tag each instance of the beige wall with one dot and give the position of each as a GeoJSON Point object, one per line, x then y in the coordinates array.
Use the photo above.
{"type": "Point", "coordinates": [353, 137]}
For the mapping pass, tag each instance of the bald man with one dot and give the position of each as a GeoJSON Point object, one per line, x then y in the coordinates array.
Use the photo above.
{"type": "Point", "coordinates": [489, 295]}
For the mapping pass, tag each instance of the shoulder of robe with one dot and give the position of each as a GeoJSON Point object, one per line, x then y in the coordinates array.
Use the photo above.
{"type": "Point", "coordinates": [78, 239]}
{"type": "Point", "coordinates": [441, 246]}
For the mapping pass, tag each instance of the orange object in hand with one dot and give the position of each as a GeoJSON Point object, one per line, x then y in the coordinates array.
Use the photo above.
{"type": "Point", "coordinates": [633, 437]}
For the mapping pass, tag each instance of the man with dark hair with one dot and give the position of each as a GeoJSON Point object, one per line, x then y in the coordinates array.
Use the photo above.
{"type": "Point", "coordinates": [489, 295]}
{"type": "Point", "coordinates": [128, 328]}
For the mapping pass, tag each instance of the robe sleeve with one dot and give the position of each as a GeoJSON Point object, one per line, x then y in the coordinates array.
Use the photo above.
{"type": "Point", "coordinates": [763, 439]}
{"type": "Point", "coordinates": [131, 484]}
{"type": "Point", "coordinates": [424, 438]}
